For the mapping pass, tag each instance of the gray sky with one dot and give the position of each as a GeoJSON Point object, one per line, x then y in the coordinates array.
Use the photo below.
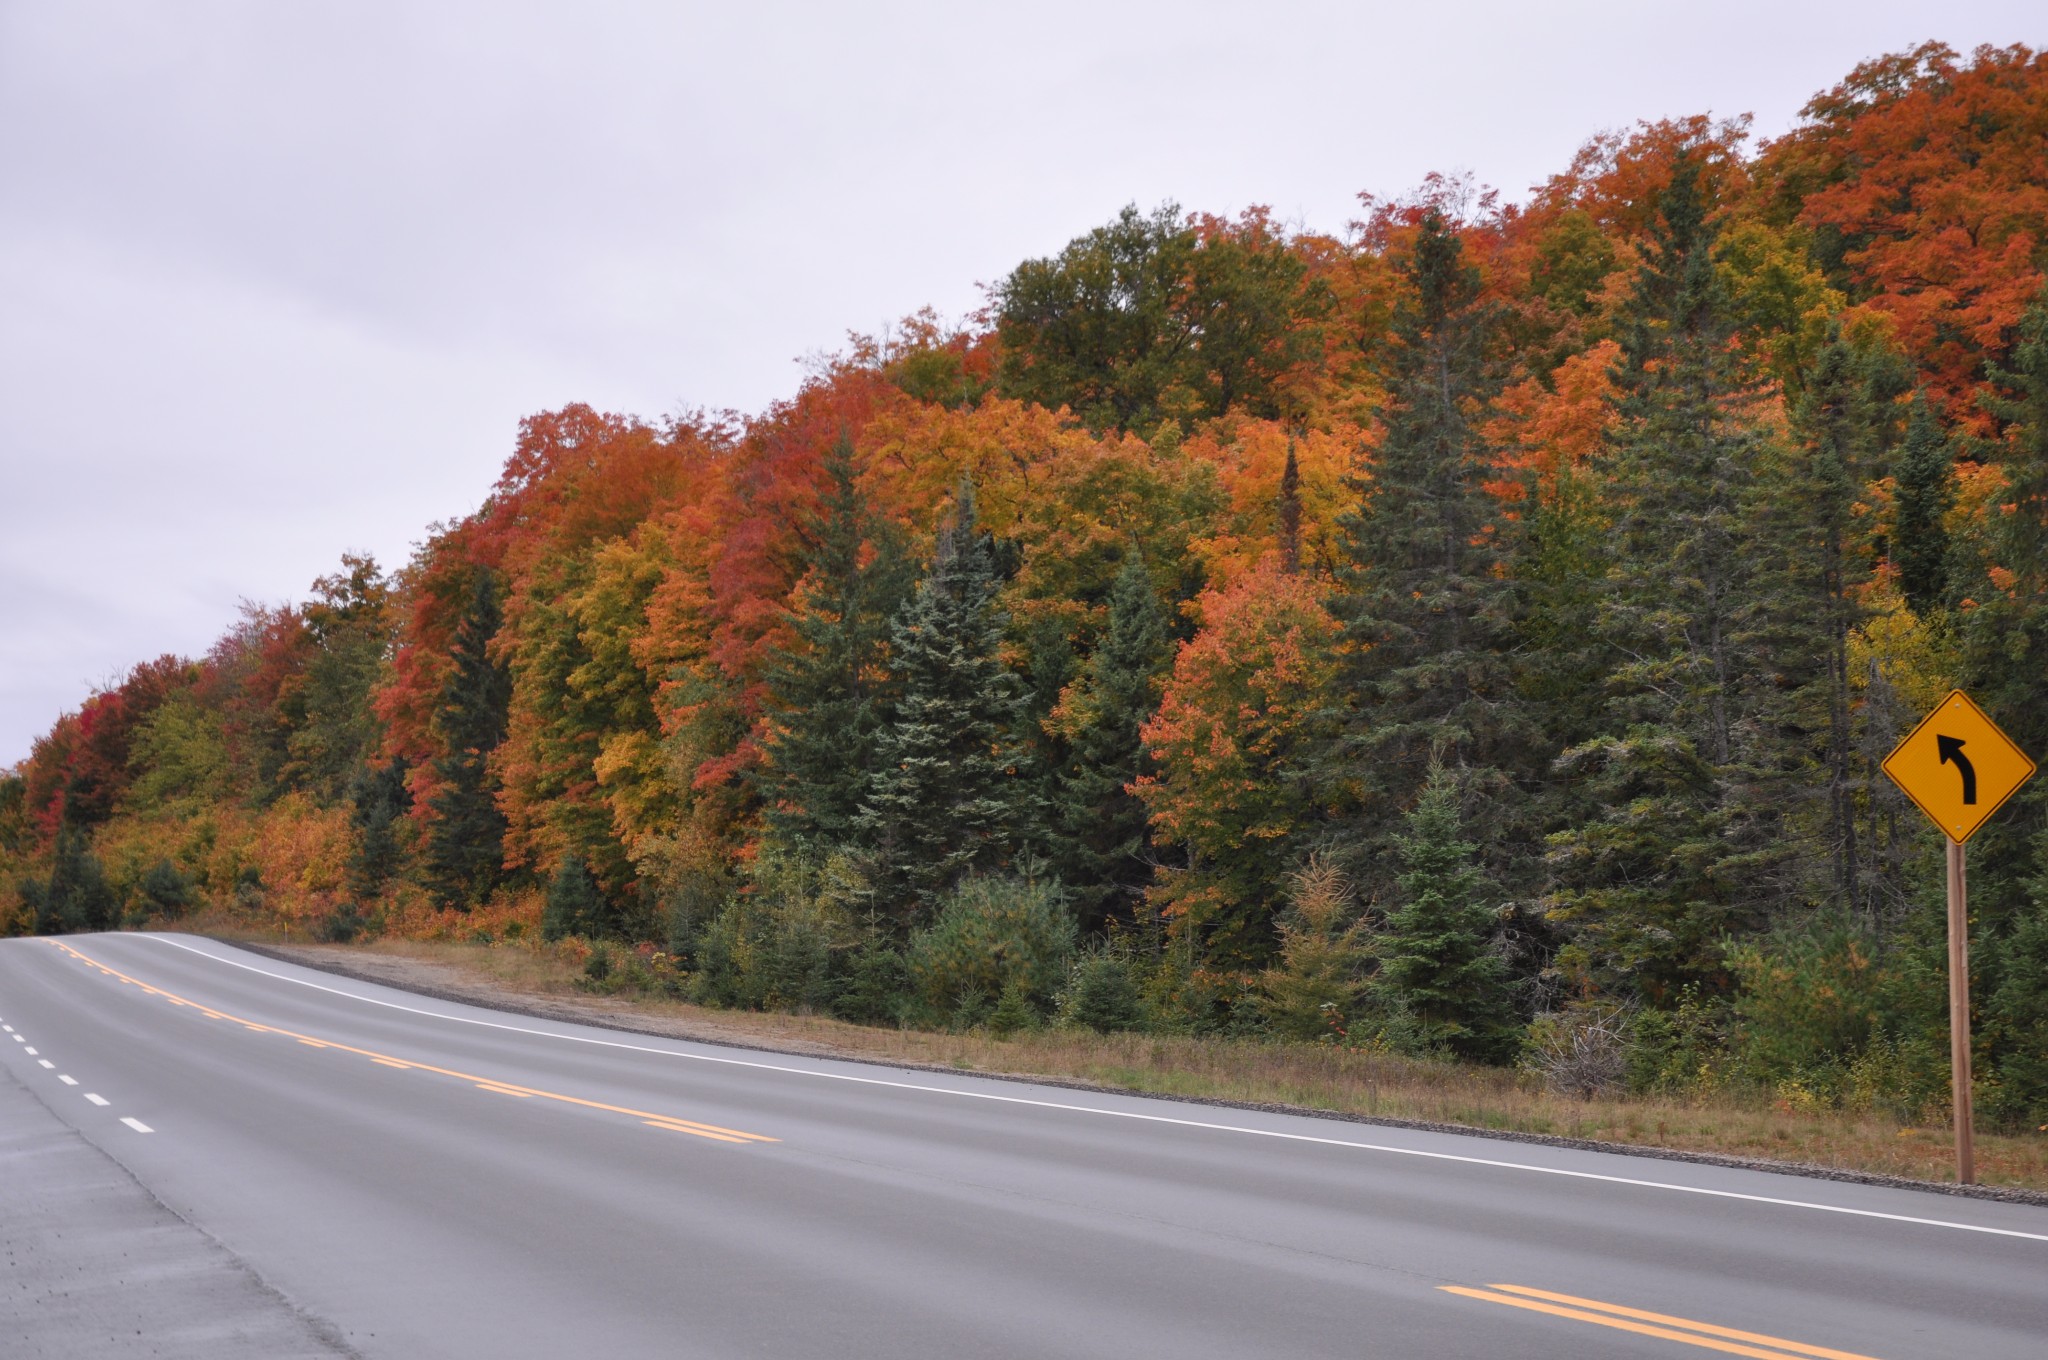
{"type": "Point", "coordinates": [278, 280]}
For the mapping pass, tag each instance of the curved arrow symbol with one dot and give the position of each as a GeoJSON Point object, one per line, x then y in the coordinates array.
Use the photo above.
{"type": "Point", "coordinates": [1952, 750]}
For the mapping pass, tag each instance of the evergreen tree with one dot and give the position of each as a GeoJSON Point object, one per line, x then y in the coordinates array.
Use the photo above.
{"type": "Point", "coordinates": [378, 800]}
{"type": "Point", "coordinates": [575, 905]}
{"type": "Point", "coordinates": [165, 891]}
{"type": "Point", "coordinates": [465, 850]}
{"type": "Point", "coordinates": [1438, 969]}
{"type": "Point", "coordinates": [1926, 491]}
{"type": "Point", "coordinates": [78, 896]}
{"type": "Point", "coordinates": [1104, 852]}
{"type": "Point", "coordinates": [1427, 608]}
{"type": "Point", "coordinates": [1678, 849]}
{"type": "Point", "coordinates": [829, 691]}
{"type": "Point", "coordinates": [1814, 559]}
{"type": "Point", "coordinates": [2003, 629]}
{"type": "Point", "coordinates": [949, 792]}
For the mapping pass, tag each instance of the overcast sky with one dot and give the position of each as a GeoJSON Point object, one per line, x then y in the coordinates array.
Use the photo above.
{"type": "Point", "coordinates": [278, 280]}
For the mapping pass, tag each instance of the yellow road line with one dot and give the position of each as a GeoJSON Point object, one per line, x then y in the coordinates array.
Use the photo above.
{"type": "Point", "coordinates": [675, 1123]}
{"type": "Point", "coordinates": [1703, 1334]}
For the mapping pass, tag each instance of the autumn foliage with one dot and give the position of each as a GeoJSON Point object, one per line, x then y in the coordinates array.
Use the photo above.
{"type": "Point", "coordinates": [582, 685]}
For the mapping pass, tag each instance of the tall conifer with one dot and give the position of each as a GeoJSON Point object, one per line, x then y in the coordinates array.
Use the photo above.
{"type": "Point", "coordinates": [465, 851]}
{"type": "Point", "coordinates": [1676, 853]}
{"type": "Point", "coordinates": [949, 792]}
{"type": "Point", "coordinates": [1105, 849]}
{"type": "Point", "coordinates": [830, 689]}
{"type": "Point", "coordinates": [1427, 609]}
{"type": "Point", "coordinates": [1926, 491]}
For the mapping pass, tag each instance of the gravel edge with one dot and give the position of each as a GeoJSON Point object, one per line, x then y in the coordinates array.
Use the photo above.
{"type": "Point", "coordinates": [568, 1013]}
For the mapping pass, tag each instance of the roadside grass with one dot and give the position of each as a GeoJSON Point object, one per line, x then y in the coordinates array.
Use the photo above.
{"type": "Point", "coordinates": [1316, 1077]}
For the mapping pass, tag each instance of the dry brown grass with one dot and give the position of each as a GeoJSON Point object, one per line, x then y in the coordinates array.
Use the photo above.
{"type": "Point", "coordinates": [1347, 1081]}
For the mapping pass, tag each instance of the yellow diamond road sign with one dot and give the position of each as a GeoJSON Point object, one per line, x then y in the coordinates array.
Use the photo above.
{"type": "Point", "coordinates": [1958, 766]}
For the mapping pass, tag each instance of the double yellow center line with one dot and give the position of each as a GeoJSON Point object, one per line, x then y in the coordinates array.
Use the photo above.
{"type": "Point", "coordinates": [1644, 1323]}
{"type": "Point", "coordinates": [673, 1123]}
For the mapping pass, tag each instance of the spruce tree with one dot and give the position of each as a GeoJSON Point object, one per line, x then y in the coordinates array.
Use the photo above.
{"type": "Point", "coordinates": [378, 799]}
{"type": "Point", "coordinates": [78, 896]}
{"type": "Point", "coordinates": [1677, 850]}
{"type": "Point", "coordinates": [829, 691]}
{"type": "Point", "coordinates": [950, 791]}
{"type": "Point", "coordinates": [1438, 969]}
{"type": "Point", "coordinates": [1104, 852]}
{"type": "Point", "coordinates": [1426, 607]}
{"type": "Point", "coordinates": [1926, 491]}
{"type": "Point", "coordinates": [465, 851]}
{"type": "Point", "coordinates": [1814, 558]}
{"type": "Point", "coordinates": [575, 905]}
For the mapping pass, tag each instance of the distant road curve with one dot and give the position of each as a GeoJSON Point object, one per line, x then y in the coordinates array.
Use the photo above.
{"type": "Point", "coordinates": [405, 1177]}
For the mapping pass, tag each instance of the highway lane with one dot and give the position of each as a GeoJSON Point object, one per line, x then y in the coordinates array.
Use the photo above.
{"type": "Point", "coordinates": [428, 1179]}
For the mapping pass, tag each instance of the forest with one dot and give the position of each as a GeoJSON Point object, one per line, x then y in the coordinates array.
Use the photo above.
{"type": "Point", "coordinates": [1473, 634]}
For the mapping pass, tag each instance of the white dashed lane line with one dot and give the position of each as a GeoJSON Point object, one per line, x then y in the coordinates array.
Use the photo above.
{"type": "Point", "coordinates": [69, 1080]}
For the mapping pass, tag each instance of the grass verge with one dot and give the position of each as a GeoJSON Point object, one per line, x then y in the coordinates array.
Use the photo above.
{"type": "Point", "coordinates": [1344, 1081]}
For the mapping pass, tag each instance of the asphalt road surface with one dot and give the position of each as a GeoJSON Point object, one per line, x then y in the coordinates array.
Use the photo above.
{"type": "Point", "coordinates": [204, 1152]}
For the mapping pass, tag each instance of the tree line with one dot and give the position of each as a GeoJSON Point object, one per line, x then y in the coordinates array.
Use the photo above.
{"type": "Point", "coordinates": [1467, 634]}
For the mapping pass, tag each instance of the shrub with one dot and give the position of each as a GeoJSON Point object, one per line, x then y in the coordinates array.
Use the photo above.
{"type": "Point", "coordinates": [342, 925]}
{"type": "Point", "coordinates": [989, 932]}
{"type": "Point", "coordinates": [1101, 995]}
{"type": "Point", "coordinates": [1324, 953]}
{"type": "Point", "coordinates": [875, 986]}
{"type": "Point", "coordinates": [772, 945]}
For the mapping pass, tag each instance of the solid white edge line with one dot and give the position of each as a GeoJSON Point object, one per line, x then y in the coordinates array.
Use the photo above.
{"type": "Point", "coordinates": [136, 1124]}
{"type": "Point", "coordinates": [1129, 1114]}
{"type": "Point", "coordinates": [97, 1099]}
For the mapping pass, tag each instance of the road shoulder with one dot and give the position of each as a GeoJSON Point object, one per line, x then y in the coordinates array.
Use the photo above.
{"type": "Point", "coordinates": [97, 1265]}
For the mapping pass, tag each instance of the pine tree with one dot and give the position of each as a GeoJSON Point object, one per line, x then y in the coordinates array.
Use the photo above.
{"type": "Point", "coordinates": [378, 800]}
{"type": "Point", "coordinates": [949, 792]}
{"type": "Point", "coordinates": [1677, 851]}
{"type": "Point", "coordinates": [1437, 967]}
{"type": "Point", "coordinates": [829, 691]}
{"type": "Point", "coordinates": [1427, 609]}
{"type": "Point", "coordinates": [1926, 491]}
{"type": "Point", "coordinates": [1104, 853]}
{"type": "Point", "coordinates": [465, 852]}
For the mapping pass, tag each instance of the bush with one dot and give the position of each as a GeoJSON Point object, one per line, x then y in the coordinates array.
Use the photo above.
{"type": "Point", "coordinates": [989, 932]}
{"type": "Point", "coordinates": [875, 986]}
{"type": "Point", "coordinates": [342, 925]}
{"type": "Point", "coordinates": [771, 946]}
{"type": "Point", "coordinates": [165, 891]}
{"type": "Point", "coordinates": [1101, 995]}
{"type": "Point", "coordinates": [1324, 953]}
{"type": "Point", "coordinates": [1013, 1011]}
{"type": "Point", "coordinates": [1580, 1051]}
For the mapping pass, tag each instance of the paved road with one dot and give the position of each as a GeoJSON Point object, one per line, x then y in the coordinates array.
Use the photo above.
{"type": "Point", "coordinates": [413, 1178]}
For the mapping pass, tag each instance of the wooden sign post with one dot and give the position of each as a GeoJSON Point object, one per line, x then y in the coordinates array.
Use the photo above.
{"type": "Point", "coordinates": [1960, 768]}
